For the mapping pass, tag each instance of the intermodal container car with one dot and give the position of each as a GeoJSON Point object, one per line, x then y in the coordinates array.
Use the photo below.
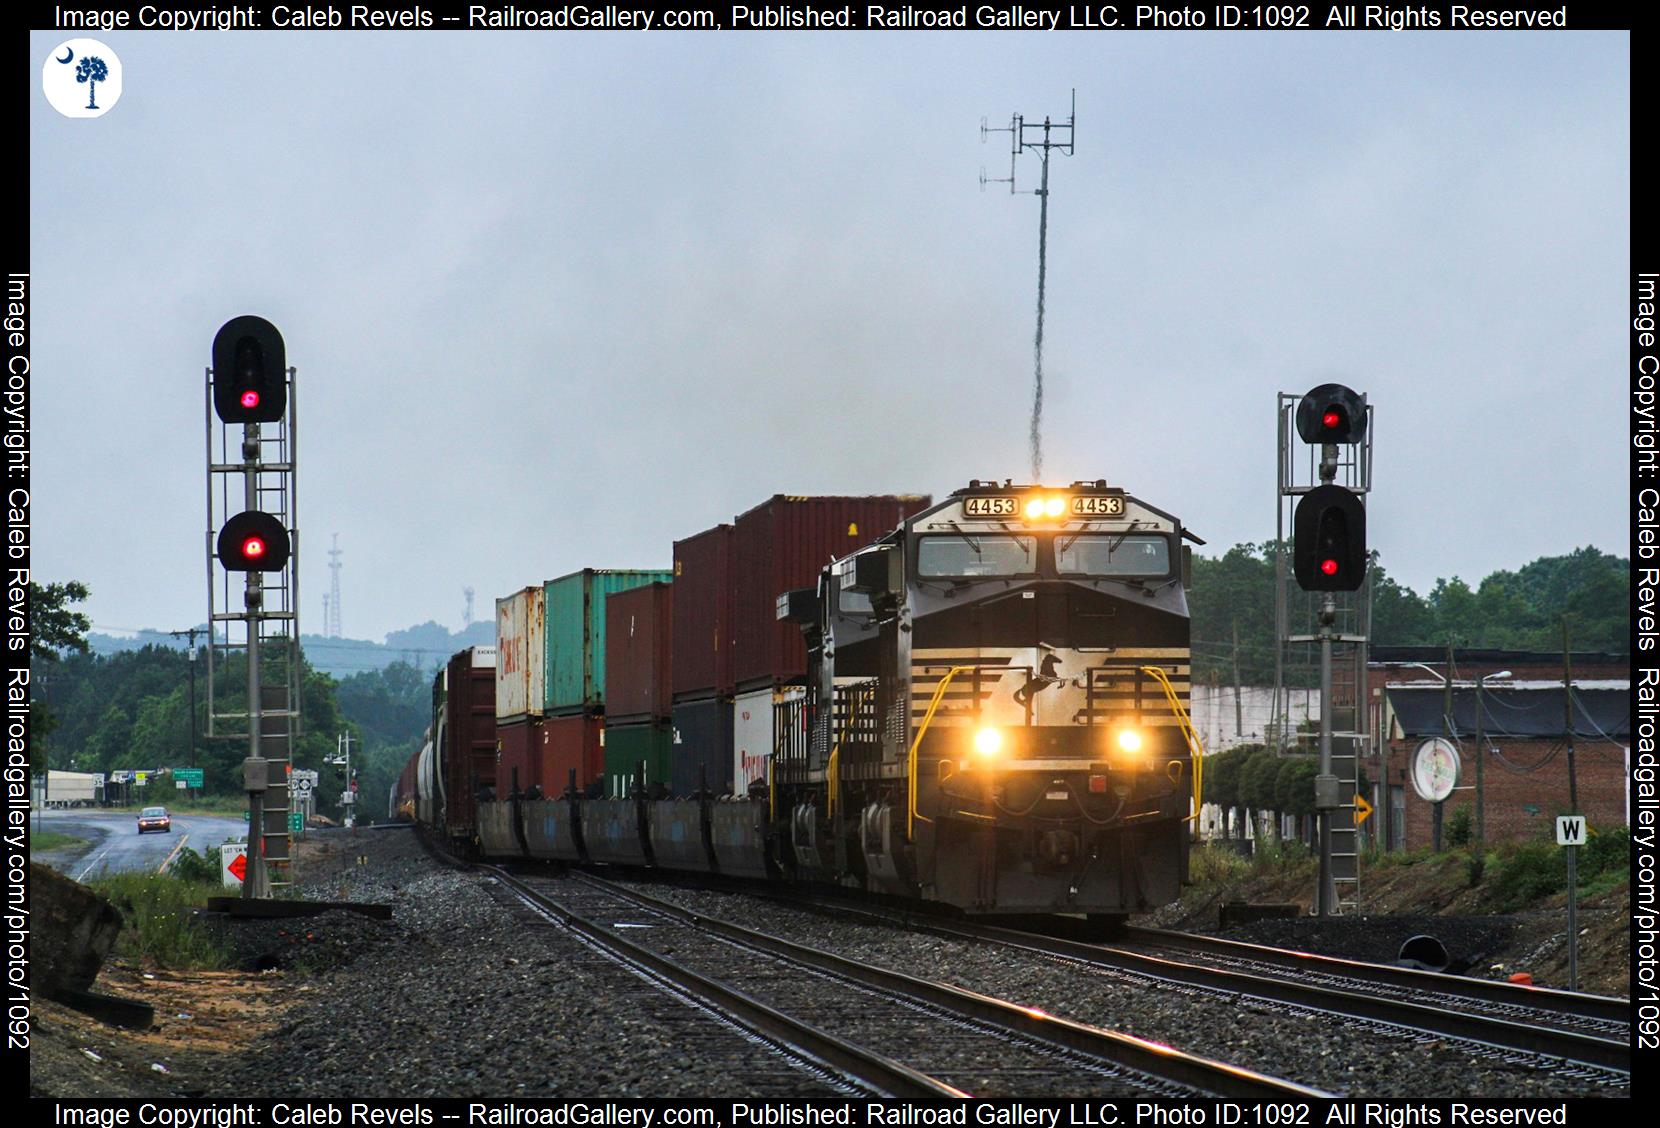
{"type": "Point", "coordinates": [520, 655]}
{"type": "Point", "coordinates": [629, 746]}
{"type": "Point", "coordinates": [701, 756]}
{"type": "Point", "coordinates": [571, 752]}
{"type": "Point", "coordinates": [639, 635]}
{"type": "Point", "coordinates": [574, 634]}
{"type": "Point", "coordinates": [518, 769]}
{"type": "Point", "coordinates": [702, 656]}
{"type": "Point", "coordinates": [782, 544]}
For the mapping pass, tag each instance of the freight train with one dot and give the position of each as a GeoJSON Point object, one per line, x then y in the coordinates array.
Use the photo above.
{"type": "Point", "coordinates": [984, 706]}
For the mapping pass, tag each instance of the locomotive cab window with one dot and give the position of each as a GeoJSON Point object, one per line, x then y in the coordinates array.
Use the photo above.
{"type": "Point", "coordinates": [1102, 554]}
{"type": "Point", "coordinates": [974, 555]}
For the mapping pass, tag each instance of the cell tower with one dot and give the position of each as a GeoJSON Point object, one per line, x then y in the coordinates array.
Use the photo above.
{"type": "Point", "coordinates": [331, 623]}
{"type": "Point", "coordinates": [1042, 138]}
{"type": "Point", "coordinates": [467, 619]}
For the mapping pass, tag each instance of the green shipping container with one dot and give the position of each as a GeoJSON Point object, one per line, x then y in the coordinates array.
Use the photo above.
{"type": "Point", "coordinates": [574, 678]}
{"type": "Point", "coordinates": [626, 746]}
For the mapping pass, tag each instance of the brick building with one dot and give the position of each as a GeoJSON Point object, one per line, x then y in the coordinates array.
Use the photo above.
{"type": "Point", "coordinates": [1523, 716]}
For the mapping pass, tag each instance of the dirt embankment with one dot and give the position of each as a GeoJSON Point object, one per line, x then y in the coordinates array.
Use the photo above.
{"type": "Point", "coordinates": [1436, 895]}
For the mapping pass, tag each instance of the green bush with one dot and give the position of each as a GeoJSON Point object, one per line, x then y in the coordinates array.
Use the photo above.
{"type": "Point", "coordinates": [188, 865]}
{"type": "Point", "coordinates": [1214, 864]}
{"type": "Point", "coordinates": [1608, 851]}
{"type": "Point", "coordinates": [1459, 826]}
{"type": "Point", "coordinates": [1530, 873]}
{"type": "Point", "coordinates": [159, 922]}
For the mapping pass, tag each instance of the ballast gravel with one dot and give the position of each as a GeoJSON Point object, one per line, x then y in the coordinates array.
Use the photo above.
{"type": "Point", "coordinates": [464, 994]}
{"type": "Point", "coordinates": [1330, 1052]}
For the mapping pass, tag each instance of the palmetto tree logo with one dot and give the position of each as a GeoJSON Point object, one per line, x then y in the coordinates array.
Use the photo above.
{"type": "Point", "coordinates": [91, 71]}
{"type": "Point", "coordinates": [77, 63]}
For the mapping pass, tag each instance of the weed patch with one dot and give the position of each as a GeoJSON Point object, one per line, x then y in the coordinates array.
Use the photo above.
{"type": "Point", "coordinates": [159, 922]}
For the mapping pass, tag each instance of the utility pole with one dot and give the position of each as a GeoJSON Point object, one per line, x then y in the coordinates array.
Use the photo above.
{"type": "Point", "coordinates": [1447, 732]}
{"type": "Point", "coordinates": [1568, 718]}
{"type": "Point", "coordinates": [1043, 140]}
{"type": "Point", "coordinates": [189, 634]}
{"type": "Point", "coordinates": [1238, 708]}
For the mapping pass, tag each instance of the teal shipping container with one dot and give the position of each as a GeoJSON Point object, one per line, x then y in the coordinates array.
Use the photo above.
{"type": "Point", "coordinates": [574, 678]}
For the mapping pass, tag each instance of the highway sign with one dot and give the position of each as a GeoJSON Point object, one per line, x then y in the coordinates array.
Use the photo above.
{"type": "Point", "coordinates": [296, 822]}
{"type": "Point", "coordinates": [191, 777]}
{"type": "Point", "coordinates": [1570, 830]}
{"type": "Point", "coordinates": [141, 779]}
{"type": "Point", "coordinates": [180, 784]}
{"type": "Point", "coordinates": [1363, 809]}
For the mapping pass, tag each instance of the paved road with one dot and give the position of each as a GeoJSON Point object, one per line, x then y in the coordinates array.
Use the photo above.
{"type": "Point", "coordinates": [116, 844]}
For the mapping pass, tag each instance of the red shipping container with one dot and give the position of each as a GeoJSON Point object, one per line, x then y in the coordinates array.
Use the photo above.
{"type": "Point", "coordinates": [782, 544]}
{"type": "Point", "coordinates": [702, 653]}
{"type": "Point", "coordinates": [468, 740]}
{"type": "Point", "coordinates": [516, 767]}
{"type": "Point", "coordinates": [639, 631]}
{"type": "Point", "coordinates": [566, 744]}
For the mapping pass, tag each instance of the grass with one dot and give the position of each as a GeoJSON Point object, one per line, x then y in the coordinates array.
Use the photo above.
{"type": "Point", "coordinates": [52, 840]}
{"type": "Point", "coordinates": [159, 926]}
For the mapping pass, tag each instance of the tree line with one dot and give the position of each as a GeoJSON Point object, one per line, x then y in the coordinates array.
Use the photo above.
{"type": "Point", "coordinates": [1233, 598]}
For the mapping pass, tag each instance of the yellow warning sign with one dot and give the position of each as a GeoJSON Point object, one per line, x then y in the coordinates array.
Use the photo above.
{"type": "Point", "coordinates": [1363, 809]}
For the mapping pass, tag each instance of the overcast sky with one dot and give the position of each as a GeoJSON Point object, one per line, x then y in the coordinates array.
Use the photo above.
{"type": "Point", "coordinates": [558, 299]}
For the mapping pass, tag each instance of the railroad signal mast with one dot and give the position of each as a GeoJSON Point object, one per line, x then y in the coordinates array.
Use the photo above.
{"type": "Point", "coordinates": [252, 533]}
{"type": "Point", "coordinates": [1325, 492]}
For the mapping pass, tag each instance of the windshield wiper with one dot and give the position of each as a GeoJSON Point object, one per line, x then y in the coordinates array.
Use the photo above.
{"type": "Point", "coordinates": [1115, 545]}
{"type": "Point", "coordinates": [972, 543]}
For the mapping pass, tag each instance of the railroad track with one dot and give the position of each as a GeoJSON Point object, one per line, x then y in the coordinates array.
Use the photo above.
{"type": "Point", "coordinates": [1570, 1032]}
{"type": "Point", "coordinates": [889, 1033]}
{"type": "Point", "coordinates": [1599, 1015]}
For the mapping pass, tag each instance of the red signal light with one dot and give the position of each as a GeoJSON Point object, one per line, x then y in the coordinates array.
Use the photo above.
{"type": "Point", "coordinates": [1331, 419]}
{"type": "Point", "coordinates": [250, 399]}
{"type": "Point", "coordinates": [1329, 567]}
{"type": "Point", "coordinates": [254, 547]}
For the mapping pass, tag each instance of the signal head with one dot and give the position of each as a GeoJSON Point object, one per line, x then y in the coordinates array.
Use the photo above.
{"type": "Point", "coordinates": [1328, 540]}
{"type": "Point", "coordinates": [250, 371]}
{"type": "Point", "coordinates": [253, 542]}
{"type": "Point", "coordinates": [1331, 413]}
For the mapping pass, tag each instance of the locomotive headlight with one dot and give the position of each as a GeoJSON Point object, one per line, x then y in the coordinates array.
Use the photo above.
{"type": "Point", "coordinates": [1129, 740]}
{"type": "Point", "coordinates": [1034, 508]}
{"type": "Point", "coordinates": [1054, 507]}
{"type": "Point", "coordinates": [988, 741]}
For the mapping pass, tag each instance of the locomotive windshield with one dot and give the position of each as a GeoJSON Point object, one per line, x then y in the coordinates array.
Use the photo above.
{"type": "Point", "coordinates": [977, 554]}
{"type": "Point", "coordinates": [1099, 554]}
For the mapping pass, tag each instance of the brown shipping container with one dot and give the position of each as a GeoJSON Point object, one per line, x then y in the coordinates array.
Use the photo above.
{"type": "Point", "coordinates": [782, 544]}
{"type": "Point", "coordinates": [639, 630]}
{"type": "Point", "coordinates": [469, 735]}
{"type": "Point", "coordinates": [515, 766]}
{"type": "Point", "coordinates": [702, 654]}
{"type": "Point", "coordinates": [568, 743]}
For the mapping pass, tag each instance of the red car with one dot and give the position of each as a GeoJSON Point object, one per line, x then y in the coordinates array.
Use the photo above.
{"type": "Point", "coordinates": [154, 818]}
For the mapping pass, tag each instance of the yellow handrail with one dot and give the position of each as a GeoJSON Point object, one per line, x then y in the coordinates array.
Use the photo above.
{"type": "Point", "coordinates": [832, 779]}
{"type": "Point", "coordinates": [910, 767]}
{"type": "Point", "coordinates": [1195, 751]}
